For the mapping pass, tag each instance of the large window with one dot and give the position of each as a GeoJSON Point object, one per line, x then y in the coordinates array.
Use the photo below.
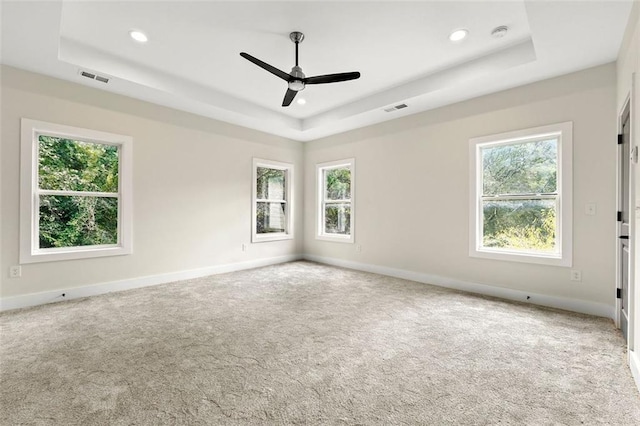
{"type": "Point", "coordinates": [272, 200]}
{"type": "Point", "coordinates": [335, 200]}
{"type": "Point", "coordinates": [75, 193]}
{"type": "Point", "coordinates": [521, 195]}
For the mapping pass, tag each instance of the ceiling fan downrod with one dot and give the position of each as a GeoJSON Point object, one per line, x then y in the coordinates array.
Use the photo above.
{"type": "Point", "coordinates": [297, 38]}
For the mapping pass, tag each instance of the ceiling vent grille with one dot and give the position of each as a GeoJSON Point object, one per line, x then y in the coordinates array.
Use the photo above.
{"type": "Point", "coordinates": [93, 76]}
{"type": "Point", "coordinates": [396, 107]}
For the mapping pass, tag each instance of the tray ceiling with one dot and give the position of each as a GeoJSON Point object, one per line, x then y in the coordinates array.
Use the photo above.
{"type": "Point", "coordinates": [402, 50]}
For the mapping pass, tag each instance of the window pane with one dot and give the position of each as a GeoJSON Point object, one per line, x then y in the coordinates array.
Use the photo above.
{"type": "Point", "coordinates": [270, 184]}
{"type": "Point", "coordinates": [520, 225]}
{"type": "Point", "coordinates": [521, 168]}
{"type": "Point", "coordinates": [337, 219]}
{"type": "Point", "coordinates": [270, 217]}
{"type": "Point", "coordinates": [72, 221]}
{"type": "Point", "coordinates": [65, 164]}
{"type": "Point", "coordinates": [338, 184]}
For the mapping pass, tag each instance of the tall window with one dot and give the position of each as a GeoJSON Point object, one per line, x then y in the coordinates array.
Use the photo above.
{"type": "Point", "coordinates": [335, 200]}
{"type": "Point", "coordinates": [272, 200]}
{"type": "Point", "coordinates": [521, 195]}
{"type": "Point", "coordinates": [75, 193]}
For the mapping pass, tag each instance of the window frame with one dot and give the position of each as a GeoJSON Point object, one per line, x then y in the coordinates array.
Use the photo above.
{"type": "Point", "coordinates": [564, 204]}
{"type": "Point", "coordinates": [288, 200]}
{"type": "Point", "coordinates": [320, 200]}
{"type": "Point", "coordinates": [30, 251]}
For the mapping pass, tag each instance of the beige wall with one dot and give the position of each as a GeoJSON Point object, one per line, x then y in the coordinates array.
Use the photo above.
{"type": "Point", "coordinates": [629, 63]}
{"type": "Point", "coordinates": [412, 186]}
{"type": "Point", "coordinates": [192, 184]}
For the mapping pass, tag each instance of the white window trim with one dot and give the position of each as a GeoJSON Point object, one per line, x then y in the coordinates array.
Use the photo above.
{"type": "Point", "coordinates": [320, 234]}
{"type": "Point", "coordinates": [29, 211]}
{"type": "Point", "coordinates": [288, 198]}
{"type": "Point", "coordinates": [564, 258]}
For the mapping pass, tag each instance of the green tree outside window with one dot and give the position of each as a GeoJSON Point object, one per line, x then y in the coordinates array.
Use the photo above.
{"type": "Point", "coordinates": [78, 193]}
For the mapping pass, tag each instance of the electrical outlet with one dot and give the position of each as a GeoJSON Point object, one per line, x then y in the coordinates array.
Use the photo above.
{"type": "Point", "coordinates": [244, 247]}
{"type": "Point", "coordinates": [576, 275]}
{"type": "Point", "coordinates": [358, 248]}
{"type": "Point", "coordinates": [15, 271]}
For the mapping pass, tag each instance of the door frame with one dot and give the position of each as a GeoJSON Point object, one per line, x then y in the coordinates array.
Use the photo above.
{"type": "Point", "coordinates": [634, 233]}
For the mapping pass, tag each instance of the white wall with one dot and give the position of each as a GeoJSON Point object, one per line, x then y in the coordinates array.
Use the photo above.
{"type": "Point", "coordinates": [192, 184]}
{"type": "Point", "coordinates": [629, 63]}
{"type": "Point", "coordinates": [412, 194]}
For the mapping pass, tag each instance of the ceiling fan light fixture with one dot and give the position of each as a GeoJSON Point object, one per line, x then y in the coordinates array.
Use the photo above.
{"type": "Point", "coordinates": [458, 35]}
{"type": "Point", "coordinates": [301, 101]}
{"type": "Point", "coordinates": [138, 36]}
{"type": "Point", "coordinates": [296, 85]}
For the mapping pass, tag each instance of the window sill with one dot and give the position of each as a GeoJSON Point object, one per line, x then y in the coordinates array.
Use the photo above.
{"type": "Point", "coordinates": [57, 254]}
{"type": "Point", "coordinates": [263, 238]}
{"type": "Point", "coordinates": [539, 259]}
{"type": "Point", "coordinates": [337, 238]}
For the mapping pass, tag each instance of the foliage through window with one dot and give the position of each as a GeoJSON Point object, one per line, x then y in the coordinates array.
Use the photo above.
{"type": "Point", "coordinates": [78, 193]}
{"type": "Point", "coordinates": [518, 201]}
{"type": "Point", "coordinates": [336, 200]}
{"type": "Point", "coordinates": [519, 196]}
{"type": "Point", "coordinates": [272, 200]}
{"type": "Point", "coordinates": [72, 192]}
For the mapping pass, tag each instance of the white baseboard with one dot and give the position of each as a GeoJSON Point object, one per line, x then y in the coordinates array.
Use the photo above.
{"type": "Point", "coordinates": [634, 364]}
{"type": "Point", "coordinates": [582, 306]}
{"type": "Point", "coordinates": [23, 301]}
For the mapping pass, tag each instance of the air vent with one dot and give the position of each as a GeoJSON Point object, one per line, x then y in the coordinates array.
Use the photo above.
{"type": "Point", "coordinates": [396, 107]}
{"type": "Point", "coordinates": [93, 76]}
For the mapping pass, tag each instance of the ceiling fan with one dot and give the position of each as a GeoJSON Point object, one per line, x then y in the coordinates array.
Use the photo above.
{"type": "Point", "coordinates": [296, 78]}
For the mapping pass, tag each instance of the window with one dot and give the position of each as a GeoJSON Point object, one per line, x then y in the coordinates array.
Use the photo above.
{"type": "Point", "coordinates": [521, 203]}
{"type": "Point", "coordinates": [75, 199]}
{"type": "Point", "coordinates": [335, 200]}
{"type": "Point", "coordinates": [272, 201]}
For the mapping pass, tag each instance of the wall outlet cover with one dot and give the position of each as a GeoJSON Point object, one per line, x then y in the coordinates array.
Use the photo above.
{"type": "Point", "coordinates": [15, 271]}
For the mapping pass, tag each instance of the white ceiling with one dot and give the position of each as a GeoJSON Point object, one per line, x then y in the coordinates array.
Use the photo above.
{"type": "Point", "coordinates": [402, 50]}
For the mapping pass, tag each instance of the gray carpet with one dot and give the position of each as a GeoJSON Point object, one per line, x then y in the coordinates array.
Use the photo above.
{"type": "Point", "coordinates": [310, 344]}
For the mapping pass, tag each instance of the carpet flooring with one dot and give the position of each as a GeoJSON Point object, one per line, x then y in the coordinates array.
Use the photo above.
{"type": "Point", "coordinates": [303, 343]}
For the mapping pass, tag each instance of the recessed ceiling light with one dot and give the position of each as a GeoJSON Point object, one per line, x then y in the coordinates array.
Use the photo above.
{"type": "Point", "coordinates": [458, 35]}
{"type": "Point", "coordinates": [138, 36]}
{"type": "Point", "coordinates": [302, 101]}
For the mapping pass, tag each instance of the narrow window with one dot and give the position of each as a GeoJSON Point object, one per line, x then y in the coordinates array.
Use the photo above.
{"type": "Point", "coordinates": [521, 195]}
{"type": "Point", "coordinates": [75, 193]}
{"type": "Point", "coordinates": [272, 200]}
{"type": "Point", "coordinates": [335, 200]}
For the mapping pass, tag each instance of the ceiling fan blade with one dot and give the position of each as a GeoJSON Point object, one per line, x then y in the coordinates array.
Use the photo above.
{"type": "Point", "coordinates": [273, 70]}
{"type": "Point", "coordinates": [288, 97]}
{"type": "Point", "coordinates": [332, 78]}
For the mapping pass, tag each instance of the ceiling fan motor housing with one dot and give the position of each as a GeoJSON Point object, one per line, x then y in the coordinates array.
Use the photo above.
{"type": "Point", "coordinates": [297, 82]}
